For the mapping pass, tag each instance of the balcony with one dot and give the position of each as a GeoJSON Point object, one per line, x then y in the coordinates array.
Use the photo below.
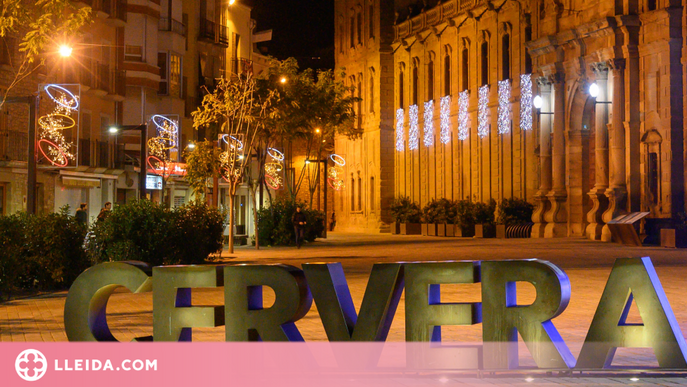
{"type": "Point", "coordinates": [240, 67]}
{"type": "Point", "coordinates": [99, 153]}
{"type": "Point", "coordinates": [102, 78]}
{"type": "Point", "coordinates": [213, 32]}
{"type": "Point", "coordinates": [117, 87]}
{"type": "Point", "coordinates": [14, 145]}
{"type": "Point", "coordinates": [171, 25]}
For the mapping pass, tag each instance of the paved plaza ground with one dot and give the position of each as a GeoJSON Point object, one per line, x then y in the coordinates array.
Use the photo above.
{"type": "Point", "coordinates": [587, 263]}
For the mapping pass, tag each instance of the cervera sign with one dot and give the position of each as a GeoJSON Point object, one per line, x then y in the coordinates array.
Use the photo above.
{"type": "Point", "coordinates": [245, 319]}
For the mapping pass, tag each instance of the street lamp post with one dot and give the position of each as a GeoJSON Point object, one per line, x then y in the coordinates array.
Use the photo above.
{"type": "Point", "coordinates": [144, 138]}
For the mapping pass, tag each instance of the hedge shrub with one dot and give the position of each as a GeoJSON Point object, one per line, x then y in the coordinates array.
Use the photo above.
{"type": "Point", "coordinates": [515, 211]}
{"type": "Point", "coordinates": [275, 225]}
{"type": "Point", "coordinates": [149, 232]}
{"type": "Point", "coordinates": [405, 211]}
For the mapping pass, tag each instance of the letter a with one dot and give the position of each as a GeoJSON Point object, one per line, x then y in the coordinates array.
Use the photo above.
{"type": "Point", "coordinates": [633, 278]}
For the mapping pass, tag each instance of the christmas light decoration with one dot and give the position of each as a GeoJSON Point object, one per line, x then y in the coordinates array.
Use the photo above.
{"type": "Point", "coordinates": [463, 118]}
{"type": "Point", "coordinates": [504, 106]}
{"type": "Point", "coordinates": [445, 105]}
{"type": "Point", "coordinates": [483, 112]}
{"type": "Point", "coordinates": [428, 121]}
{"type": "Point", "coordinates": [414, 130]}
{"type": "Point", "coordinates": [159, 147]}
{"type": "Point", "coordinates": [233, 142]}
{"type": "Point", "coordinates": [273, 169]}
{"type": "Point", "coordinates": [526, 101]}
{"type": "Point", "coordinates": [52, 143]}
{"type": "Point", "coordinates": [335, 173]}
{"type": "Point", "coordinates": [400, 145]}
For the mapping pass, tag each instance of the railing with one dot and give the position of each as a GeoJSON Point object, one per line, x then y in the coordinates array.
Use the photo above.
{"type": "Point", "coordinates": [98, 153]}
{"type": "Point", "coordinates": [14, 145]}
{"type": "Point", "coordinates": [213, 32]}
{"type": "Point", "coordinates": [120, 9]}
{"type": "Point", "coordinates": [118, 83]}
{"type": "Point", "coordinates": [167, 24]}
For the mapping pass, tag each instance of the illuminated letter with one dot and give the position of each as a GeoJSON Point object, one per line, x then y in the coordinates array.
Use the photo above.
{"type": "Point", "coordinates": [425, 314]}
{"type": "Point", "coordinates": [503, 318]}
{"type": "Point", "coordinates": [247, 320]}
{"type": "Point", "coordinates": [633, 278]}
{"type": "Point", "coordinates": [173, 314]}
{"type": "Point", "coordinates": [85, 316]}
{"type": "Point", "coordinates": [335, 305]}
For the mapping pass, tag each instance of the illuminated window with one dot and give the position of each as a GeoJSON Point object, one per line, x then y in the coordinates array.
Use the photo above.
{"type": "Point", "coordinates": [175, 75]}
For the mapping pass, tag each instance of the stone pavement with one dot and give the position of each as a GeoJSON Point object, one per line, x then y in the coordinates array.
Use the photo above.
{"type": "Point", "coordinates": [587, 264]}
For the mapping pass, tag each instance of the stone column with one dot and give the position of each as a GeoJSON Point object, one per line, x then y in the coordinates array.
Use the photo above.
{"type": "Point", "coordinates": [598, 193]}
{"type": "Point", "coordinates": [542, 201]}
{"type": "Point", "coordinates": [556, 216]}
{"type": "Point", "coordinates": [616, 192]}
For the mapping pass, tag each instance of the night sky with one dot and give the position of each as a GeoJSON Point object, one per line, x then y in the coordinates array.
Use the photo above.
{"type": "Point", "coordinates": [303, 29]}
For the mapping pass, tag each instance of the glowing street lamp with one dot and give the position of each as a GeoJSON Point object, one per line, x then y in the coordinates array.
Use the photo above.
{"type": "Point", "coordinates": [283, 80]}
{"type": "Point", "coordinates": [594, 90]}
{"type": "Point", "coordinates": [191, 146]}
{"type": "Point", "coordinates": [65, 51]}
{"type": "Point", "coordinates": [537, 102]}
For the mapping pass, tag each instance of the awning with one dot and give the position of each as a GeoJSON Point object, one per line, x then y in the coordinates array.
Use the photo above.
{"type": "Point", "coordinates": [84, 182]}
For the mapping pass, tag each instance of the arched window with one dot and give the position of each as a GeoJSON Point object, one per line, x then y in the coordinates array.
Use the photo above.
{"type": "Point", "coordinates": [371, 93]}
{"type": "Point", "coordinates": [360, 193]}
{"type": "Point", "coordinates": [528, 57]}
{"type": "Point", "coordinates": [485, 63]}
{"type": "Point", "coordinates": [371, 19]}
{"type": "Point", "coordinates": [372, 193]}
{"type": "Point", "coordinates": [352, 193]}
{"type": "Point", "coordinates": [447, 74]}
{"type": "Point", "coordinates": [430, 80]}
{"type": "Point", "coordinates": [351, 30]}
{"type": "Point", "coordinates": [400, 88]}
{"type": "Point", "coordinates": [341, 38]}
{"type": "Point", "coordinates": [359, 17]}
{"type": "Point", "coordinates": [360, 101]}
{"type": "Point", "coordinates": [505, 57]}
{"type": "Point", "coordinates": [414, 86]}
{"type": "Point", "coordinates": [465, 68]}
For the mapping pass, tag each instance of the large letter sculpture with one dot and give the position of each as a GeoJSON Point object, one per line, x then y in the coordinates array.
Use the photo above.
{"type": "Point", "coordinates": [425, 314]}
{"type": "Point", "coordinates": [247, 320]}
{"type": "Point", "coordinates": [503, 318]}
{"type": "Point", "coordinates": [633, 278]}
{"type": "Point", "coordinates": [335, 305]}
{"type": "Point", "coordinates": [173, 313]}
{"type": "Point", "coordinates": [85, 316]}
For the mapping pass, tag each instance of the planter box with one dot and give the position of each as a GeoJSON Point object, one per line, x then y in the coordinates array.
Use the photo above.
{"type": "Point", "coordinates": [410, 229]}
{"type": "Point", "coordinates": [485, 230]}
{"type": "Point", "coordinates": [465, 232]}
{"type": "Point", "coordinates": [673, 238]}
{"type": "Point", "coordinates": [446, 230]}
{"type": "Point", "coordinates": [429, 229]}
{"type": "Point", "coordinates": [501, 231]}
{"type": "Point", "coordinates": [395, 228]}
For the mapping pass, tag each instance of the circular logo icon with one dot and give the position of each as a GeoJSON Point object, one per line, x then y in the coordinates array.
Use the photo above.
{"type": "Point", "coordinates": [31, 365]}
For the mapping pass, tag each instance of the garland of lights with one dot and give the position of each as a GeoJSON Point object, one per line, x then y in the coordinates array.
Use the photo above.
{"type": "Point", "coordinates": [234, 153]}
{"type": "Point", "coordinates": [414, 131]}
{"type": "Point", "coordinates": [167, 138]}
{"type": "Point", "coordinates": [463, 118]}
{"type": "Point", "coordinates": [335, 173]}
{"type": "Point", "coordinates": [400, 145]}
{"type": "Point", "coordinates": [273, 169]}
{"type": "Point", "coordinates": [483, 112]}
{"type": "Point", "coordinates": [428, 119]}
{"type": "Point", "coordinates": [445, 136]}
{"type": "Point", "coordinates": [526, 101]}
{"type": "Point", "coordinates": [52, 142]}
{"type": "Point", "coordinates": [504, 106]}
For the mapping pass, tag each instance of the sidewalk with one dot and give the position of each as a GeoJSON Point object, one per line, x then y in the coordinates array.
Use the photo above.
{"type": "Point", "coordinates": [587, 264]}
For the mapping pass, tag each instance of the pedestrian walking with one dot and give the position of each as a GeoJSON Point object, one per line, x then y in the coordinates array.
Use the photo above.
{"type": "Point", "coordinates": [81, 214]}
{"type": "Point", "coordinates": [299, 222]}
{"type": "Point", "coordinates": [105, 212]}
{"type": "Point", "coordinates": [332, 221]}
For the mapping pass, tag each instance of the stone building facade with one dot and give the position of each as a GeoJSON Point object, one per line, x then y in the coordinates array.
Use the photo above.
{"type": "Point", "coordinates": [607, 138]}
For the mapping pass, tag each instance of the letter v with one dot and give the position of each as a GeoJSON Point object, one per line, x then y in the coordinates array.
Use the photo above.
{"type": "Point", "coordinates": [335, 305]}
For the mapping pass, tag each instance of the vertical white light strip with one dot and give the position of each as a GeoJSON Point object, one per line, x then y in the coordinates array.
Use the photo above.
{"type": "Point", "coordinates": [400, 144]}
{"type": "Point", "coordinates": [504, 106]}
{"type": "Point", "coordinates": [428, 127]}
{"type": "Point", "coordinates": [483, 112]}
{"type": "Point", "coordinates": [526, 101]}
{"type": "Point", "coordinates": [445, 119]}
{"type": "Point", "coordinates": [463, 118]}
{"type": "Point", "coordinates": [414, 130]}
